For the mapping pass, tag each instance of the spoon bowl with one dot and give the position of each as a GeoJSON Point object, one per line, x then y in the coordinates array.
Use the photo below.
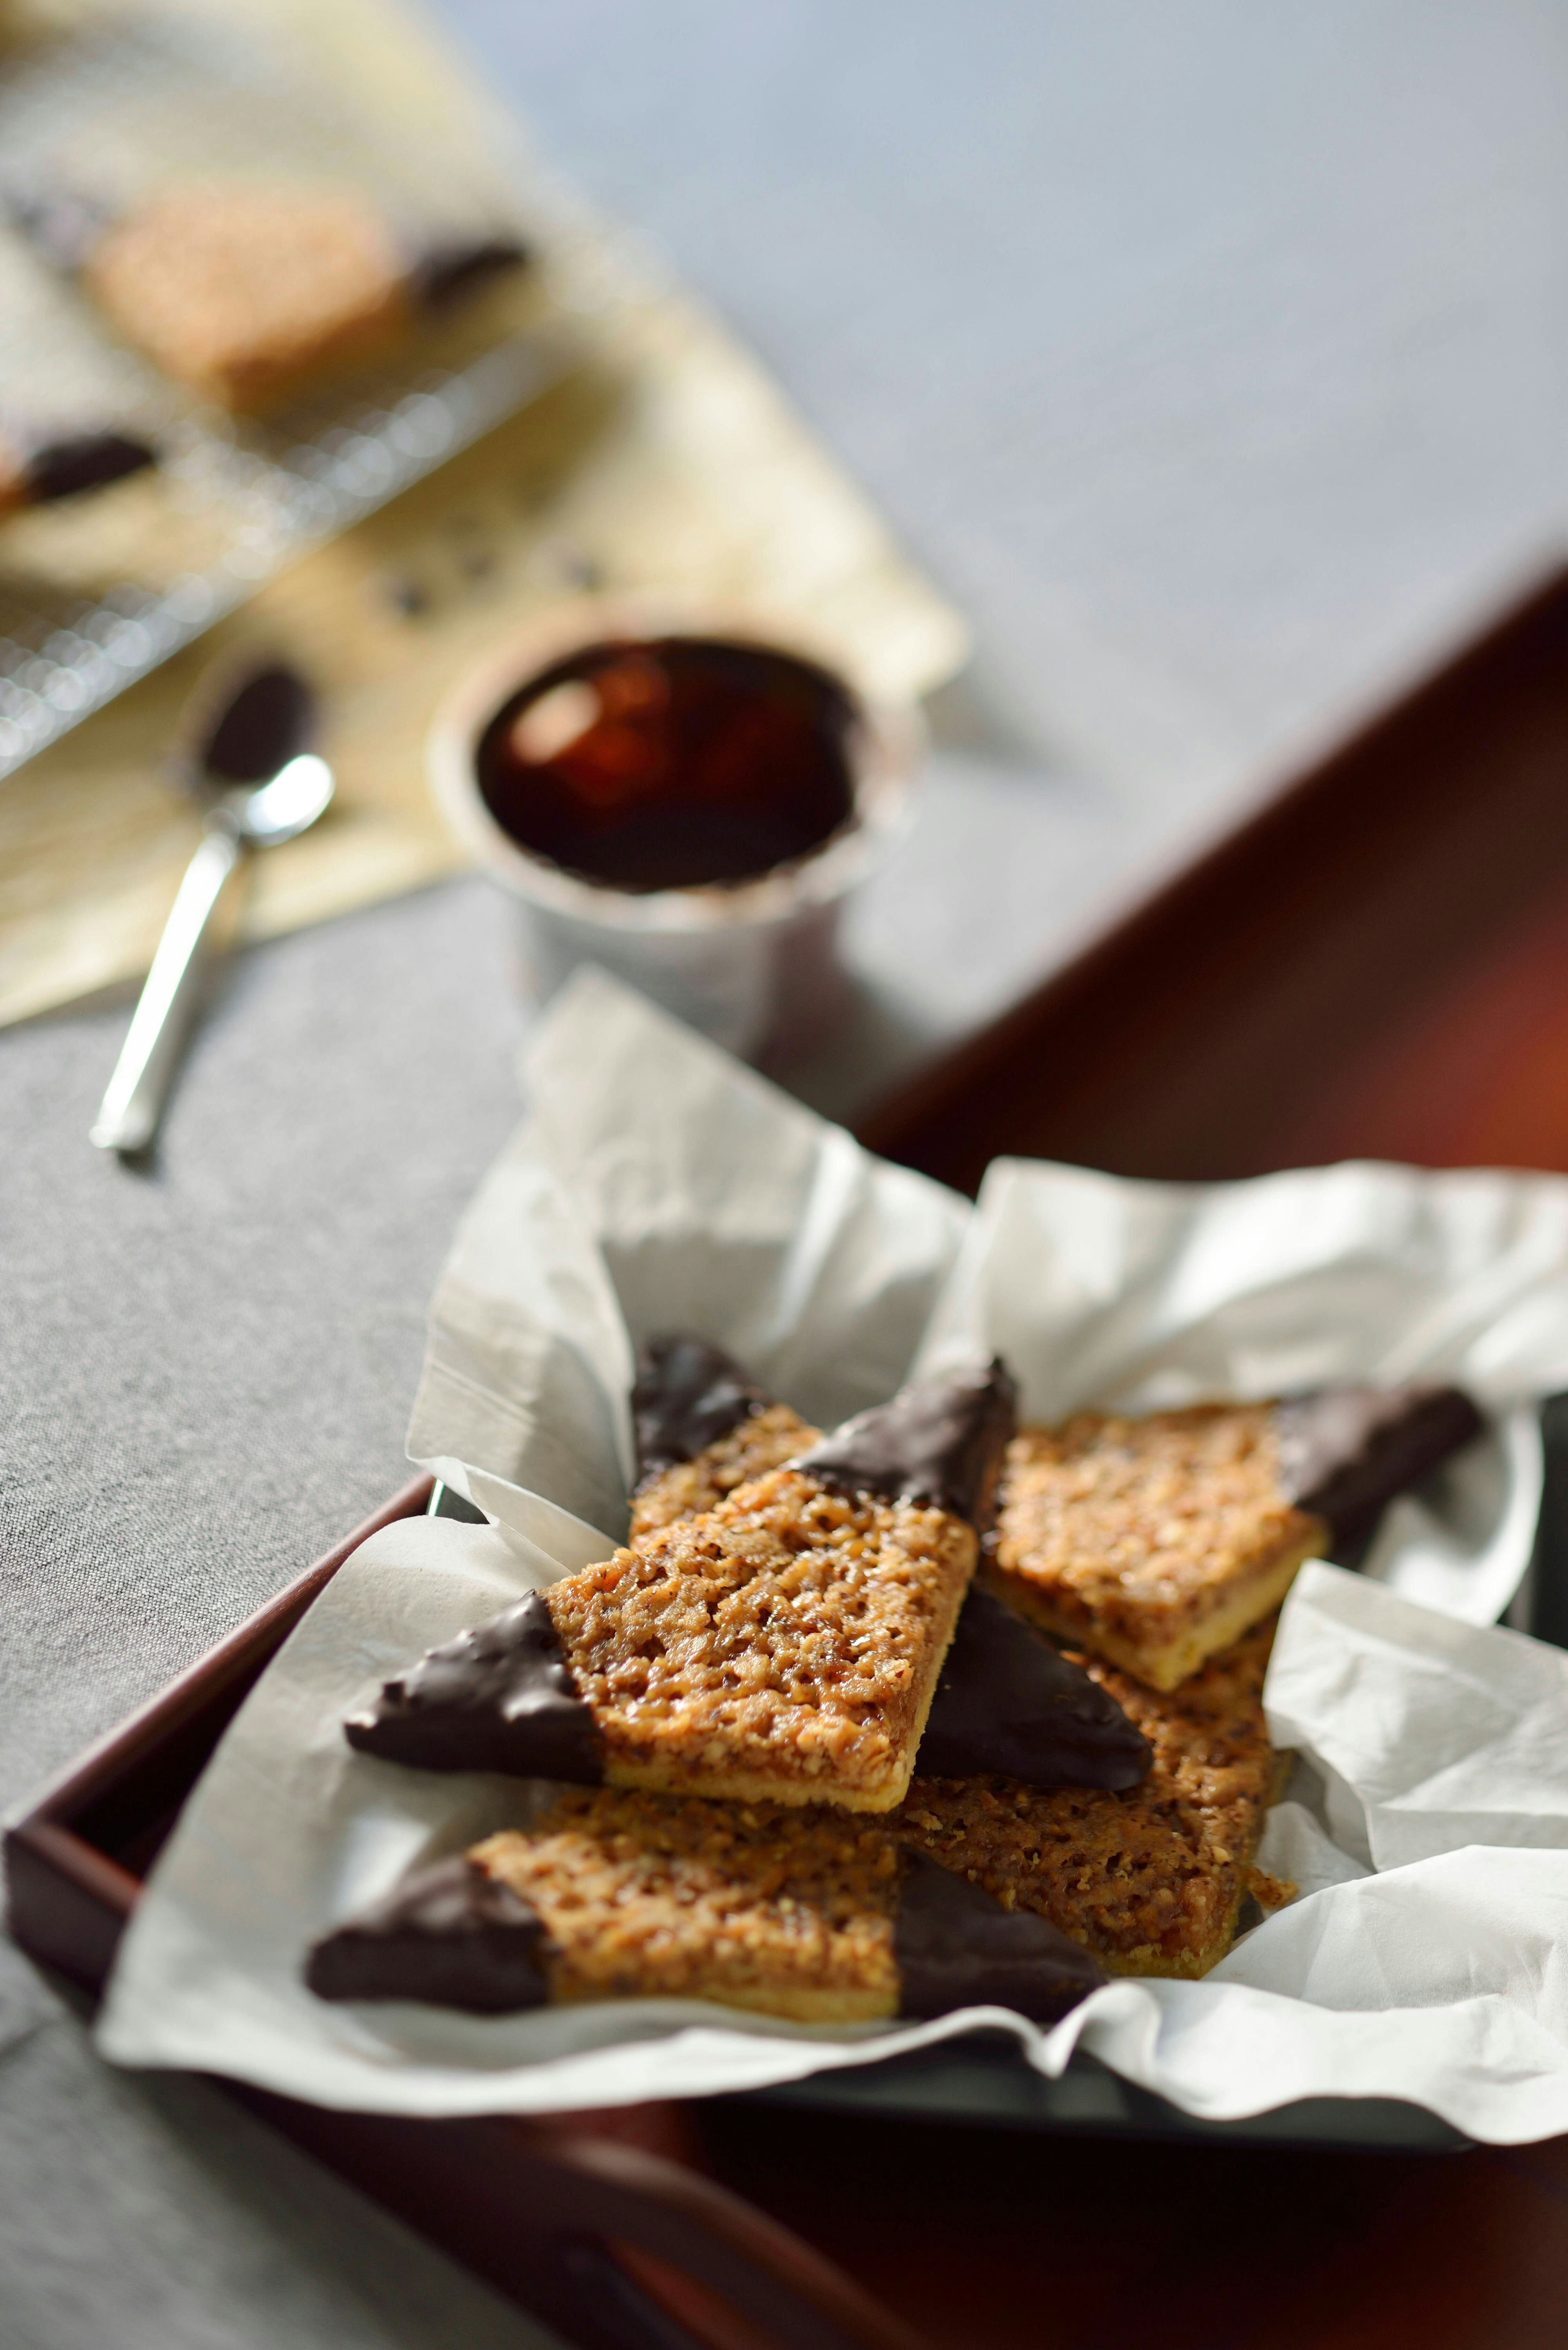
{"type": "Point", "coordinates": [266, 815]}
{"type": "Point", "coordinates": [248, 719]}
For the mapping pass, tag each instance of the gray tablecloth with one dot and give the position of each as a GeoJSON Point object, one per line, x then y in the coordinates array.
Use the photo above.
{"type": "Point", "coordinates": [1215, 358]}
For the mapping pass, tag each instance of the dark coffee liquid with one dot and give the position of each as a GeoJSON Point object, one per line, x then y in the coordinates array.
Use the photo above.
{"type": "Point", "coordinates": [673, 762]}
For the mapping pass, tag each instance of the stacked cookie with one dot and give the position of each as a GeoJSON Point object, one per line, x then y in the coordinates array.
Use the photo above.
{"type": "Point", "coordinates": [1157, 1550]}
{"type": "Point", "coordinates": [746, 1690]}
{"type": "Point", "coordinates": [805, 1763]}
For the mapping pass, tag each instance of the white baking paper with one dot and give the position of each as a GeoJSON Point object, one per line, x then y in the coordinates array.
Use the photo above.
{"type": "Point", "coordinates": [1425, 1738]}
{"type": "Point", "coordinates": [656, 1184]}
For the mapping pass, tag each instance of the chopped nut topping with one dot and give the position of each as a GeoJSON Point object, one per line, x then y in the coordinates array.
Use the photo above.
{"type": "Point", "coordinates": [1150, 1879]}
{"type": "Point", "coordinates": [1130, 1534]}
{"type": "Point", "coordinates": [784, 1644]}
{"type": "Point", "coordinates": [766, 1441]}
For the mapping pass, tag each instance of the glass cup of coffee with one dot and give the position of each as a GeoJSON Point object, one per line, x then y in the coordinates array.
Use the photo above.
{"type": "Point", "coordinates": [685, 800]}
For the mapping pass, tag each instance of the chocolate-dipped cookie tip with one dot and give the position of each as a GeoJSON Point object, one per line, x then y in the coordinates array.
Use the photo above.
{"type": "Point", "coordinates": [64, 465]}
{"type": "Point", "coordinates": [1009, 1703]}
{"type": "Point", "coordinates": [956, 1946]}
{"type": "Point", "coordinates": [451, 1935]}
{"type": "Point", "coordinates": [1345, 1452]}
{"type": "Point", "coordinates": [500, 1697]}
{"type": "Point", "coordinates": [687, 1394]}
{"type": "Point", "coordinates": [938, 1444]}
{"type": "Point", "coordinates": [446, 270]}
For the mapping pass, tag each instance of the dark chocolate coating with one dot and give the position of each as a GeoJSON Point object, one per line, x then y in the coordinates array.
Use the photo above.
{"type": "Point", "coordinates": [63, 466]}
{"type": "Point", "coordinates": [441, 273]}
{"type": "Point", "coordinates": [451, 1935]}
{"type": "Point", "coordinates": [1345, 1452]}
{"type": "Point", "coordinates": [939, 1445]}
{"type": "Point", "coordinates": [1008, 1701]}
{"type": "Point", "coordinates": [956, 1946]}
{"type": "Point", "coordinates": [688, 1394]}
{"type": "Point", "coordinates": [500, 1697]}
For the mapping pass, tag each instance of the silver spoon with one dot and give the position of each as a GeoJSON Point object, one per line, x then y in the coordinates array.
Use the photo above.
{"type": "Point", "coordinates": [261, 786]}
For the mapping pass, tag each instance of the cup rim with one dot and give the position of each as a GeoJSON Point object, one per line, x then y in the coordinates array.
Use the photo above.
{"type": "Point", "coordinates": [887, 747]}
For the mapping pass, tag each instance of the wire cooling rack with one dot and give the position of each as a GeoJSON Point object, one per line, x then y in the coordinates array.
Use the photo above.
{"type": "Point", "coordinates": [96, 592]}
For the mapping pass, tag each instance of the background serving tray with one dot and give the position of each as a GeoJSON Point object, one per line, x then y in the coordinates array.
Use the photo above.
{"type": "Point", "coordinates": [1377, 964]}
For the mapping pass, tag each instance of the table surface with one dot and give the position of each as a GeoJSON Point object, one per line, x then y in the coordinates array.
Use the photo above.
{"type": "Point", "coordinates": [1214, 360]}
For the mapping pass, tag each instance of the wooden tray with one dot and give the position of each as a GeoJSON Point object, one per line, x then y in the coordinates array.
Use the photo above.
{"type": "Point", "coordinates": [1377, 964]}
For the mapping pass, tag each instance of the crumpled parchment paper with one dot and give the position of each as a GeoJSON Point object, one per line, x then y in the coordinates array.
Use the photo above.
{"type": "Point", "coordinates": [656, 1184]}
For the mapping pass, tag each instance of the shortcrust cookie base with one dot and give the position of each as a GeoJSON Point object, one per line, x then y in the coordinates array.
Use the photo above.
{"type": "Point", "coordinates": [782, 1914]}
{"type": "Point", "coordinates": [1165, 1668]}
{"type": "Point", "coordinates": [1154, 1541]}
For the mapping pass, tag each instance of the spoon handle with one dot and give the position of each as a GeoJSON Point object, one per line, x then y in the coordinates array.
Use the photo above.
{"type": "Point", "coordinates": [129, 1115]}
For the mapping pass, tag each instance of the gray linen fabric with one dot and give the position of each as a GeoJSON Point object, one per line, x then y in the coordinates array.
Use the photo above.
{"type": "Point", "coordinates": [204, 1375]}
